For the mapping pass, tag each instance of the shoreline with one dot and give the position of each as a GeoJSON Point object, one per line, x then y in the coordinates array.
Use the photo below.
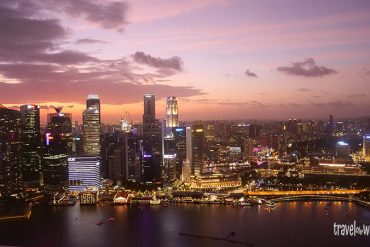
{"type": "Point", "coordinates": [28, 210]}
{"type": "Point", "coordinates": [25, 216]}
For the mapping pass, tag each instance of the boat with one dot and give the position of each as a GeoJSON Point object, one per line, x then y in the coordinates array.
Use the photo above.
{"type": "Point", "coordinates": [271, 204]}
{"type": "Point", "coordinates": [244, 204]}
{"type": "Point", "coordinates": [99, 223]}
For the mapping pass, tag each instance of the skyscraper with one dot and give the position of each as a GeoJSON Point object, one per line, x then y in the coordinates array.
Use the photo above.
{"type": "Point", "coordinates": [57, 147]}
{"type": "Point", "coordinates": [10, 152]}
{"type": "Point", "coordinates": [91, 126]}
{"type": "Point", "coordinates": [330, 126]}
{"type": "Point", "coordinates": [152, 142]}
{"type": "Point", "coordinates": [179, 134]}
{"type": "Point", "coordinates": [60, 128]}
{"type": "Point", "coordinates": [197, 149]}
{"type": "Point", "coordinates": [149, 108]}
{"type": "Point", "coordinates": [169, 159]}
{"type": "Point", "coordinates": [31, 139]}
{"type": "Point", "coordinates": [172, 117]}
{"type": "Point", "coordinates": [342, 149]}
{"type": "Point", "coordinates": [366, 147]}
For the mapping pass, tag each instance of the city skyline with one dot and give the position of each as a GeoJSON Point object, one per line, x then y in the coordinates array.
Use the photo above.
{"type": "Point", "coordinates": [228, 59]}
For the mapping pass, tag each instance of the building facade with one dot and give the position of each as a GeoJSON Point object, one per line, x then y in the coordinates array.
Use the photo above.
{"type": "Point", "coordinates": [83, 172]}
{"type": "Point", "coordinates": [197, 142]}
{"type": "Point", "coordinates": [31, 139]}
{"type": "Point", "coordinates": [91, 126]}
{"type": "Point", "coordinates": [152, 143]}
{"type": "Point", "coordinates": [172, 115]}
{"type": "Point", "coordinates": [11, 148]}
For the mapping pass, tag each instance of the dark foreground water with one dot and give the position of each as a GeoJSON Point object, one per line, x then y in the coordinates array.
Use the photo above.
{"type": "Point", "coordinates": [289, 224]}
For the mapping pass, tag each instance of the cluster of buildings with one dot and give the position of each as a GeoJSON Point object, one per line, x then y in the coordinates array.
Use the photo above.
{"type": "Point", "coordinates": [65, 155]}
{"type": "Point", "coordinates": [200, 155]}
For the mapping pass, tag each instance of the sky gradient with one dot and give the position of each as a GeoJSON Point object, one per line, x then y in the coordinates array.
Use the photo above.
{"type": "Point", "coordinates": [223, 59]}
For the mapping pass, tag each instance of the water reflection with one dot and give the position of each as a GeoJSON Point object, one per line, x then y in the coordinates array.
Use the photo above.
{"type": "Point", "coordinates": [303, 223]}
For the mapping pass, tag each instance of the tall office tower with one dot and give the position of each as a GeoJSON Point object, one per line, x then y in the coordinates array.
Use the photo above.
{"type": "Point", "coordinates": [60, 129]}
{"type": "Point", "coordinates": [152, 142]}
{"type": "Point", "coordinates": [10, 152]}
{"type": "Point", "coordinates": [179, 135]}
{"type": "Point", "coordinates": [292, 126]}
{"type": "Point", "coordinates": [342, 149]}
{"type": "Point", "coordinates": [330, 126]}
{"type": "Point", "coordinates": [189, 148]}
{"type": "Point", "coordinates": [91, 126]}
{"type": "Point", "coordinates": [93, 101]}
{"type": "Point", "coordinates": [197, 142]}
{"type": "Point", "coordinates": [83, 171]}
{"type": "Point", "coordinates": [172, 116]}
{"type": "Point", "coordinates": [57, 147]}
{"type": "Point", "coordinates": [31, 139]}
{"type": "Point", "coordinates": [118, 159]}
{"type": "Point", "coordinates": [152, 152]}
{"type": "Point", "coordinates": [254, 130]}
{"type": "Point", "coordinates": [58, 112]}
{"type": "Point", "coordinates": [149, 108]}
{"type": "Point", "coordinates": [366, 147]}
{"type": "Point", "coordinates": [169, 159]}
{"type": "Point", "coordinates": [134, 146]}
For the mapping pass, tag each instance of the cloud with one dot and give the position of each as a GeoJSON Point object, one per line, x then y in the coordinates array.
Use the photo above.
{"type": "Point", "coordinates": [90, 41]}
{"type": "Point", "coordinates": [333, 104]}
{"type": "Point", "coordinates": [361, 95]}
{"type": "Point", "coordinates": [250, 73]}
{"type": "Point", "coordinates": [77, 92]}
{"type": "Point", "coordinates": [32, 55]}
{"type": "Point", "coordinates": [23, 36]}
{"type": "Point", "coordinates": [174, 63]}
{"type": "Point", "coordinates": [106, 14]}
{"type": "Point", "coordinates": [306, 68]}
{"type": "Point", "coordinates": [47, 107]}
{"type": "Point", "coordinates": [303, 89]}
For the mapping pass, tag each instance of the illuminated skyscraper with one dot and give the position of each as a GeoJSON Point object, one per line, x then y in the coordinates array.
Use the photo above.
{"type": "Point", "coordinates": [179, 134]}
{"type": "Point", "coordinates": [57, 147]}
{"type": "Point", "coordinates": [172, 117]}
{"type": "Point", "coordinates": [197, 142]}
{"type": "Point", "coordinates": [366, 147]}
{"type": "Point", "coordinates": [342, 149]}
{"type": "Point", "coordinates": [125, 124]}
{"type": "Point", "coordinates": [91, 126]}
{"type": "Point", "coordinates": [10, 152]}
{"type": "Point", "coordinates": [169, 159]}
{"type": "Point", "coordinates": [31, 139]}
{"type": "Point", "coordinates": [60, 129]}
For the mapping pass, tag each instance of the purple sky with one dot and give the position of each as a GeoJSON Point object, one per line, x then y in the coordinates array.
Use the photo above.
{"type": "Point", "coordinates": [224, 59]}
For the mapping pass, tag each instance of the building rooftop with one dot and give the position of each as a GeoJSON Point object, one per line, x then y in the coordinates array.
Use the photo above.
{"type": "Point", "coordinates": [92, 96]}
